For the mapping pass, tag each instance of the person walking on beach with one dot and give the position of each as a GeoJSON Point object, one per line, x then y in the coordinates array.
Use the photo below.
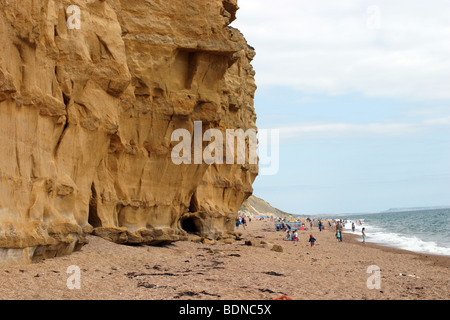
{"type": "Point", "coordinates": [339, 231]}
{"type": "Point", "coordinates": [353, 226]}
{"type": "Point", "coordinates": [312, 240]}
{"type": "Point", "coordinates": [364, 235]}
{"type": "Point", "coordinates": [320, 226]}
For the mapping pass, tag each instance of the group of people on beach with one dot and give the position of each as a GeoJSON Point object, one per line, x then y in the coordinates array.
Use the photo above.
{"type": "Point", "coordinates": [291, 236]}
{"type": "Point", "coordinates": [294, 237]}
{"type": "Point", "coordinates": [337, 225]}
{"type": "Point", "coordinates": [242, 220]}
{"type": "Point", "coordinates": [292, 233]}
{"type": "Point", "coordinates": [340, 226]}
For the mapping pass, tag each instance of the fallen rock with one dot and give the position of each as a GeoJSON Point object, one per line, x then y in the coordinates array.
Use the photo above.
{"type": "Point", "coordinates": [228, 241]}
{"type": "Point", "coordinates": [277, 248]}
{"type": "Point", "coordinates": [208, 241]}
{"type": "Point", "coordinates": [194, 238]}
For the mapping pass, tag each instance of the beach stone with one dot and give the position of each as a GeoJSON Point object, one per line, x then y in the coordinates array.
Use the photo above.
{"type": "Point", "coordinates": [208, 241]}
{"type": "Point", "coordinates": [277, 248]}
{"type": "Point", "coordinates": [194, 238]}
{"type": "Point", "coordinates": [228, 241]}
{"type": "Point", "coordinates": [266, 244]}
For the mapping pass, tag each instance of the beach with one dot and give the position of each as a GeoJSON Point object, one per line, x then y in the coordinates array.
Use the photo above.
{"type": "Point", "coordinates": [238, 271]}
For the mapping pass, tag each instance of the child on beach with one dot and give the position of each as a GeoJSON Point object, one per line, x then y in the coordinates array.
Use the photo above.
{"type": "Point", "coordinates": [288, 235]}
{"type": "Point", "coordinates": [312, 240]}
{"type": "Point", "coordinates": [338, 236]}
{"type": "Point", "coordinates": [364, 235]}
{"type": "Point", "coordinates": [295, 236]}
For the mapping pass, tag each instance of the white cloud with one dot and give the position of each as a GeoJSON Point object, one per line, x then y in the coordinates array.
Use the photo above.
{"type": "Point", "coordinates": [331, 46]}
{"type": "Point", "coordinates": [440, 122]}
{"type": "Point", "coordinates": [302, 131]}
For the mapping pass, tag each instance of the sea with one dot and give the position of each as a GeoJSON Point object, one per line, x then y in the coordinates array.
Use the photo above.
{"type": "Point", "coordinates": [423, 231]}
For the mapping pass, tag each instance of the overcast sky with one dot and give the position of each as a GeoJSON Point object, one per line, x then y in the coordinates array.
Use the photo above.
{"type": "Point", "coordinates": [360, 91]}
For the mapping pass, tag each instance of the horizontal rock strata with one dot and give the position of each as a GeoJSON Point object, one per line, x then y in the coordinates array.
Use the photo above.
{"type": "Point", "coordinates": [87, 112]}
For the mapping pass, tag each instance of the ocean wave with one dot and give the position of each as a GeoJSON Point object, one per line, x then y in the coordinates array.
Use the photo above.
{"type": "Point", "coordinates": [412, 243]}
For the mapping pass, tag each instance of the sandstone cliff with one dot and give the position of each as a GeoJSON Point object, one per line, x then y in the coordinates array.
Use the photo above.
{"type": "Point", "coordinates": [254, 206]}
{"type": "Point", "coordinates": [87, 115]}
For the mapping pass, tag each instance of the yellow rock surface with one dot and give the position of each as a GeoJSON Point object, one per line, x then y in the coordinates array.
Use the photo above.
{"type": "Point", "coordinates": [86, 117]}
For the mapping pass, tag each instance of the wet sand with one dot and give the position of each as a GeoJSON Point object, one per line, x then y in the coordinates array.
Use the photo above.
{"type": "Point", "coordinates": [190, 270]}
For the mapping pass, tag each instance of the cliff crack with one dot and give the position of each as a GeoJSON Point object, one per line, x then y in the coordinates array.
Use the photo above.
{"type": "Point", "coordinates": [66, 125]}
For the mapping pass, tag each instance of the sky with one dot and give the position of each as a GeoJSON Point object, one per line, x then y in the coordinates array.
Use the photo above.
{"type": "Point", "coordinates": [360, 93]}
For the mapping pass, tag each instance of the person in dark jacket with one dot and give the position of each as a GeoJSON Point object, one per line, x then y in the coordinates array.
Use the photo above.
{"type": "Point", "coordinates": [312, 240]}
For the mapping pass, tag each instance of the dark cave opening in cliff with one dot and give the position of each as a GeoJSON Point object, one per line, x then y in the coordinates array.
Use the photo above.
{"type": "Point", "coordinates": [191, 225]}
{"type": "Point", "coordinates": [93, 218]}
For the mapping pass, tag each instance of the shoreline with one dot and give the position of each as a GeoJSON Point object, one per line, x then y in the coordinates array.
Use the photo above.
{"type": "Point", "coordinates": [438, 258]}
{"type": "Point", "coordinates": [264, 270]}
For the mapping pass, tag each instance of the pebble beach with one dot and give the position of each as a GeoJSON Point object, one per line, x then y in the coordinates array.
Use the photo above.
{"type": "Point", "coordinates": [259, 266]}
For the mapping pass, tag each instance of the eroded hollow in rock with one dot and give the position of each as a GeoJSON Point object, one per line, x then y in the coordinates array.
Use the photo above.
{"type": "Point", "coordinates": [93, 219]}
{"type": "Point", "coordinates": [192, 224]}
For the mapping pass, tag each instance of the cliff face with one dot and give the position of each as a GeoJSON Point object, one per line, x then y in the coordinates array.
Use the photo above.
{"type": "Point", "coordinates": [86, 117]}
{"type": "Point", "coordinates": [254, 206]}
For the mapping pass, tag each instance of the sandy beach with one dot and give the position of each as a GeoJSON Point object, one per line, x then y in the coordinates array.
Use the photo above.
{"type": "Point", "coordinates": [192, 270]}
